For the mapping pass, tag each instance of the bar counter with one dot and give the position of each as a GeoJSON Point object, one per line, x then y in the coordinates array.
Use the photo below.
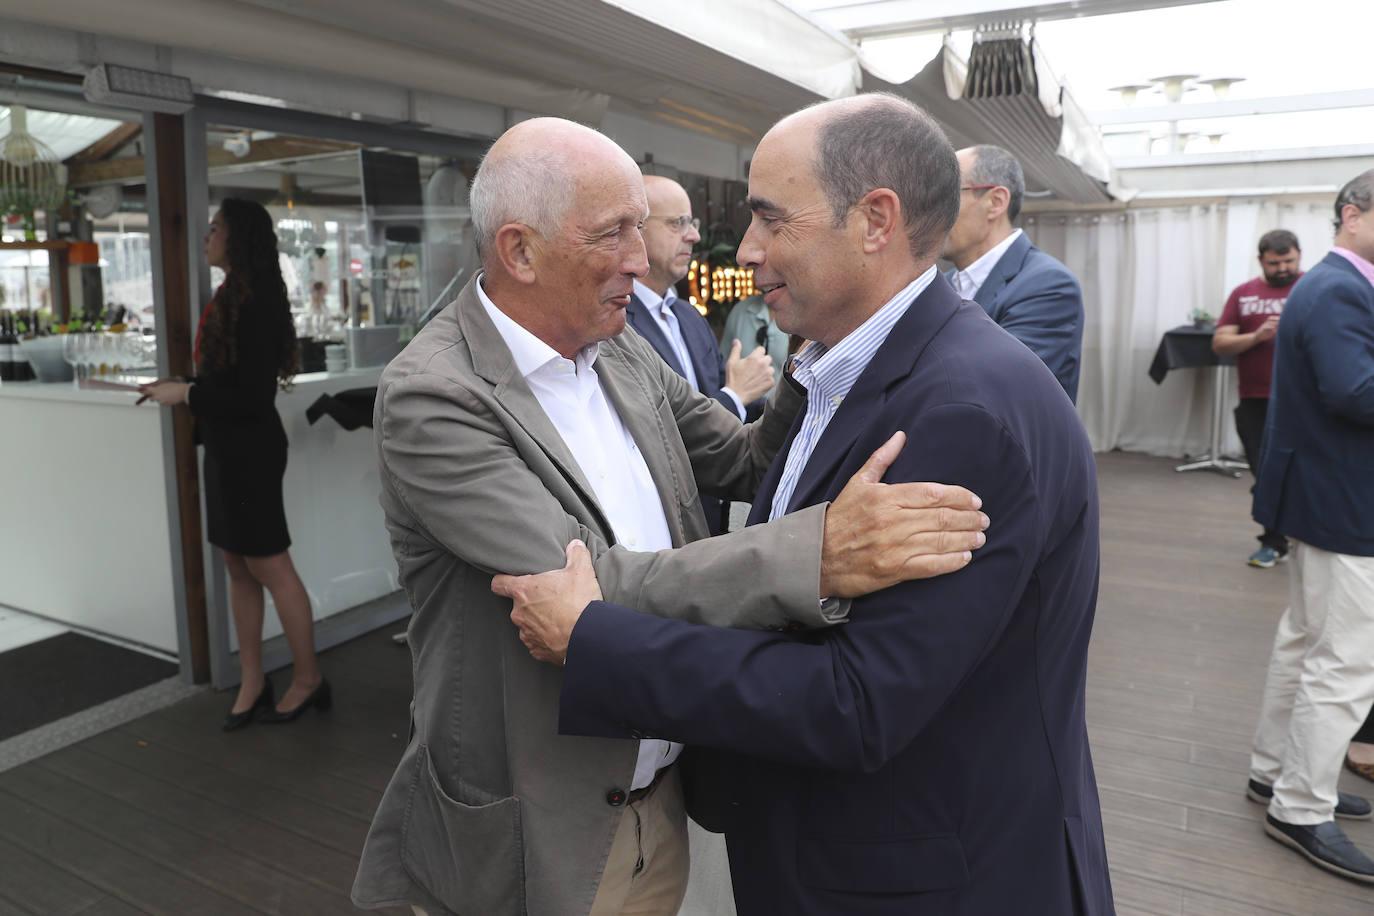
{"type": "Point", "coordinates": [85, 504]}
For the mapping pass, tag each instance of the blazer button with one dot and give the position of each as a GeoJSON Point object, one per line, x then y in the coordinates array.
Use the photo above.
{"type": "Point", "coordinates": [615, 798]}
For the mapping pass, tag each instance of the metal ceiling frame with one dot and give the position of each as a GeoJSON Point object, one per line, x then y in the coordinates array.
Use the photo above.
{"type": "Point", "coordinates": [894, 18]}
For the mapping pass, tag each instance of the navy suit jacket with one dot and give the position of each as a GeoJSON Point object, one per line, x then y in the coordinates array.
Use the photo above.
{"type": "Point", "coordinates": [707, 362]}
{"type": "Point", "coordinates": [929, 756]}
{"type": "Point", "coordinates": [1315, 482]}
{"type": "Point", "coordinates": [1038, 301]}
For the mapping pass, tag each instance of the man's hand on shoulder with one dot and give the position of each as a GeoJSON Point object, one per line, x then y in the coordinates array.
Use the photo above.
{"type": "Point", "coordinates": [548, 605]}
{"type": "Point", "coordinates": [878, 534]}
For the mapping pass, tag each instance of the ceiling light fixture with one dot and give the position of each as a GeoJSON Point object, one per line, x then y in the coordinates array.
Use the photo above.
{"type": "Point", "coordinates": [1221, 85]}
{"type": "Point", "coordinates": [1129, 92]}
{"type": "Point", "coordinates": [1173, 85]}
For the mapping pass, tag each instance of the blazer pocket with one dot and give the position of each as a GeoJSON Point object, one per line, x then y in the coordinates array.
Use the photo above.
{"type": "Point", "coordinates": [896, 865]}
{"type": "Point", "coordinates": [469, 854]}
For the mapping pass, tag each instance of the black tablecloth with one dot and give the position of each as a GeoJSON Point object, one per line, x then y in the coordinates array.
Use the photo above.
{"type": "Point", "coordinates": [1186, 347]}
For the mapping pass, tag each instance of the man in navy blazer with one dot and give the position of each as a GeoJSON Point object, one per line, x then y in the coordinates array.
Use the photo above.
{"type": "Point", "coordinates": [929, 756]}
{"type": "Point", "coordinates": [1026, 291]}
{"type": "Point", "coordinates": [1316, 485]}
{"type": "Point", "coordinates": [678, 332]}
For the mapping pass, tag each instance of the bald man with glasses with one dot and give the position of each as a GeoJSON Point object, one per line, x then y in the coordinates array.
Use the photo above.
{"type": "Point", "coordinates": [678, 332]}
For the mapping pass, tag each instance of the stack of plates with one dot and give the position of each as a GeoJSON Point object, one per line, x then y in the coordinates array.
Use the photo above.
{"type": "Point", "coordinates": [335, 358]}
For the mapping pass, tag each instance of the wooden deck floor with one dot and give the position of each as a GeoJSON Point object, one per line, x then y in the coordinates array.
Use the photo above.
{"type": "Point", "coordinates": [167, 815]}
{"type": "Point", "coordinates": [1177, 663]}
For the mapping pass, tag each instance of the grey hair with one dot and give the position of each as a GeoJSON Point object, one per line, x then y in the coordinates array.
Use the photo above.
{"type": "Point", "coordinates": [892, 144]}
{"type": "Point", "coordinates": [535, 189]}
{"type": "Point", "coordinates": [1358, 191]}
{"type": "Point", "coordinates": [994, 165]}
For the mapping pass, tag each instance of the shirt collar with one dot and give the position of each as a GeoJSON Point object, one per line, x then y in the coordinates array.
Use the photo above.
{"type": "Point", "coordinates": [1363, 266]}
{"type": "Point", "coordinates": [529, 352]}
{"type": "Point", "coordinates": [832, 371]}
{"type": "Point", "coordinates": [653, 300]}
{"type": "Point", "coordinates": [977, 272]}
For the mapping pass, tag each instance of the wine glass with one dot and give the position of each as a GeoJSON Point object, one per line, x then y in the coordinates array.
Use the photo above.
{"type": "Point", "coordinates": [90, 353]}
{"type": "Point", "coordinates": [71, 353]}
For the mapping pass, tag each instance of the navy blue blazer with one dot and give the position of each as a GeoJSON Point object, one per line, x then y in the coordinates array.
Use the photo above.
{"type": "Point", "coordinates": [1038, 301]}
{"type": "Point", "coordinates": [707, 362]}
{"type": "Point", "coordinates": [1316, 481]}
{"type": "Point", "coordinates": [929, 756]}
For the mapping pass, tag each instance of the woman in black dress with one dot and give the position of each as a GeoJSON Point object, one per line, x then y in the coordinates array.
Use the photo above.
{"type": "Point", "coordinates": [245, 348]}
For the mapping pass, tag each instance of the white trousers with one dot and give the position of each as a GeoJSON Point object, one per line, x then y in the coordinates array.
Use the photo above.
{"type": "Point", "coordinates": [1320, 685]}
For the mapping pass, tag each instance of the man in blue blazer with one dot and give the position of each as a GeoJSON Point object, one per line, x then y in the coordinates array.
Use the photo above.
{"type": "Point", "coordinates": [929, 756]}
{"type": "Point", "coordinates": [678, 332]}
{"type": "Point", "coordinates": [1316, 485]}
{"type": "Point", "coordinates": [1027, 292]}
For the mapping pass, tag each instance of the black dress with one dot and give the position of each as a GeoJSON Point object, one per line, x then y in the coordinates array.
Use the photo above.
{"type": "Point", "coordinates": [245, 443]}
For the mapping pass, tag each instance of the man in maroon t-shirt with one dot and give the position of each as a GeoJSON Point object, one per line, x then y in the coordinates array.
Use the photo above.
{"type": "Point", "coordinates": [1246, 330]}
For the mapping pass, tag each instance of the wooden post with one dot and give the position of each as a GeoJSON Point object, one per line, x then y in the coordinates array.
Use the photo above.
{"type": "Point", "coordinates": [61, 289]}
{"type": "Point", "coordinates": [176, 329]}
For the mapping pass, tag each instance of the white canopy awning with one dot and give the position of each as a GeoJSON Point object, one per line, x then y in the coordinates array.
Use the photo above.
{"type": "Point", "coordinates": [1005, 95]}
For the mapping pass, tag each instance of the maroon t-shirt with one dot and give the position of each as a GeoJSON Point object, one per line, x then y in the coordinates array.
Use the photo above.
{"type": "Point", "coordinates": [1248, 306]}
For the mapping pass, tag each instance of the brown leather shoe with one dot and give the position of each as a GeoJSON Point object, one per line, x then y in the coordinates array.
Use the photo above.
{"type": "Point", "coordinates": [1365, 770]}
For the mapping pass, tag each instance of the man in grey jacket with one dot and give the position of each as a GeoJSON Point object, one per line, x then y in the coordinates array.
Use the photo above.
{"type": "Point", "coordinates": [521, 418]}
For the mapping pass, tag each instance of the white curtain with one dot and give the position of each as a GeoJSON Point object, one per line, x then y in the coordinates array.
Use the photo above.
{"type": "Point", "coordinates": [1143, 271]}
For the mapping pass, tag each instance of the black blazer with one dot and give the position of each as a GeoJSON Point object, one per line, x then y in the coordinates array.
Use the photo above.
{"type": "Point", "coordinates": [930, 756]}
{"type": "Point", "coordinates": [707, 362]}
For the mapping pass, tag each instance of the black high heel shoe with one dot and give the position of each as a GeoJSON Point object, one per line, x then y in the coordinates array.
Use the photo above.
{"type": "Point", "coordinates": [234, 720]}
{"type": "Point", "coordinates": [321, 698]}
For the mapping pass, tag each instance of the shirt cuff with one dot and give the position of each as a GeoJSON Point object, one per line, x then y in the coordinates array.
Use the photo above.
{"type": "Point", "coordinates": [739, 405]}
{"type": "Point", "coordinates": [835, 610]}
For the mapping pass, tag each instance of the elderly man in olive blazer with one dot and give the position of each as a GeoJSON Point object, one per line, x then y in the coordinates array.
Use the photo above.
{"type": "Point", "coordinates": [491, 811]}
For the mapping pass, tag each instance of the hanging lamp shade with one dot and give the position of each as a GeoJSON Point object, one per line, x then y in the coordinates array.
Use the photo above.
{"type": "Point", "coordinates": [31, 175]}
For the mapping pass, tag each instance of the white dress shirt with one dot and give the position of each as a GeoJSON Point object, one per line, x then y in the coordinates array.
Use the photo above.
{"type": "Point", "coordinates": [968, 281]}
{"type": "Point", "coordinates": [572, 397]}
{"type": "Point", "coordinates": [828, 374]}
{"type": "Point", "coordinates": [661, 307]}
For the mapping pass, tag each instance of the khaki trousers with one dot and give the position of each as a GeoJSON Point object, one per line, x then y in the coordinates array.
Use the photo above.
{"type": "Point", "coordinates": [646, 870]}
{"type": "Point", "coordinates": [1320, 684]}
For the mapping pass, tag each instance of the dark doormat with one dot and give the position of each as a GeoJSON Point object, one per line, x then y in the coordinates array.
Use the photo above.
{"type": "Point", "coordinates": [51, 679]}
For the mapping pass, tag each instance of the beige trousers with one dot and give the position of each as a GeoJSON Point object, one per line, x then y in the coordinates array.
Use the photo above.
{"type": "Point", "coordinates": [646, 870]}
{"type": "Point", "coordinates": [1320, 684]}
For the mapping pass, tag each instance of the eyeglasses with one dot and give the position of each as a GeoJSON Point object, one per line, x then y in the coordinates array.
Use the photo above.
{"type": "Point", "coordinates": [979, 187]}
{"type": "Point", "coordinates": [679, 223]}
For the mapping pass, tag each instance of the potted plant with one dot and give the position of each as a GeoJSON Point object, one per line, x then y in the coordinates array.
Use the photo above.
{"type": "Point", "coordinates": [1202, 319]}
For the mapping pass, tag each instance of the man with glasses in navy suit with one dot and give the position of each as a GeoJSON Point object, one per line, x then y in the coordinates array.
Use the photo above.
{"type": "Point", "coordinates": [678, 331]}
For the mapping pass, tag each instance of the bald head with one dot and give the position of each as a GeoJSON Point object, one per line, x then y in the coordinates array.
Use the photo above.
{"type": "Point", "coordinates": [532, 173]}
{"type": "Point", "coordinates": [878, 140]}
{"type": "Point", "coordinates": [557, 208]}
{"type": "Point", "coordinates": [668, 245]}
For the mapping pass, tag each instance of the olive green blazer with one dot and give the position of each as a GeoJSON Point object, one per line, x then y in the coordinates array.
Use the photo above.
{"type": "Point", "coordinates": [491, 811]}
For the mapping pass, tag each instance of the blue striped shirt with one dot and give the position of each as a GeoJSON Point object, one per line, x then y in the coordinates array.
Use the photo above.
{"type": "Point", "coordinates": [828, 373]}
